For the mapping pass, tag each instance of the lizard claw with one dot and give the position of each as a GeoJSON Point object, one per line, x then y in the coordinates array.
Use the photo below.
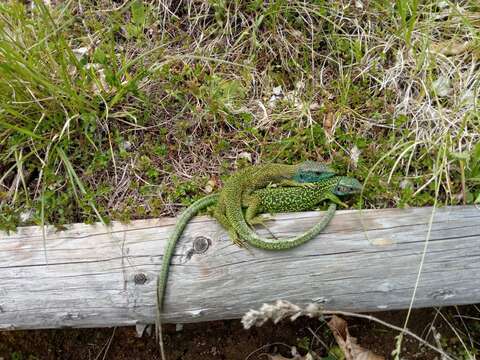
{"type": "Point", "coordinates": [236, 240]}
{"type": "Point", "coordinates": [239, 242]}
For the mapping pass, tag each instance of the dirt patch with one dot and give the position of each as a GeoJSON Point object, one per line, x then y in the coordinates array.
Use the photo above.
{"type": "Point", "coordinates": [220, 340]}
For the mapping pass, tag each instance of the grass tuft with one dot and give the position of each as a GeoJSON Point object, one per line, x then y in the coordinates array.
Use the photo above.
{"type": "Point", "coordinates": [126, 111]}
{"type": "Point", "coordinates": [133, 110]}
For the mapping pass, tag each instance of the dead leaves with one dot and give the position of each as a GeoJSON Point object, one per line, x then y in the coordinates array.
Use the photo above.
{"type": "Point", "coordinates": [282, 309]}
{"type": "Point", "coordinates": [298, 357]}
{"type": "Point", "coordinates": [348, 343]}
{"type": "Point", "coordinates": [451, 47]}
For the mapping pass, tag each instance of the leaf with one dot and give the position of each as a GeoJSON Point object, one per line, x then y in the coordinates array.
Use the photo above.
{"type": "Point", "coordinates": [450, 47]}
{"type": "Point", "coordinates": [328, 123]}
{"type": "Point", "coordinates": [348, 343]}
{"type": "Point", "coordinates": [100, 57]}
{"type": "Point", "coordinates": [138, 13]}
{"type": "Point", "coordinates": [442, 86]}
{"type": "Point", "coordinates": [75, 181]}
{"type": "Point", "coordinates": [476, 152]}
{"type": "Point", "coordinates": [22, 130]}
{"type": "Point", "coordinates": [461, 155]}
{"type": "Point", "coordinates": [477, 200]}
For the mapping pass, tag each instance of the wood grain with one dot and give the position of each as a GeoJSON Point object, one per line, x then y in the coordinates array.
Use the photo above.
{"type": "Point", "coordinates": [97, 276]}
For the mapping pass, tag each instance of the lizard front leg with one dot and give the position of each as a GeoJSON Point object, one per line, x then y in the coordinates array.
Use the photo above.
{"type": "Point", "coordinates": [335, 199]}
{"type": "Point", "coordinates": [254, 207]}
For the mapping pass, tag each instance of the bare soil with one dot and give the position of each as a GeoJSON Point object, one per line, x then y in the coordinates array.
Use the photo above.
{"type": "Point", "coordinates": [220, 340]}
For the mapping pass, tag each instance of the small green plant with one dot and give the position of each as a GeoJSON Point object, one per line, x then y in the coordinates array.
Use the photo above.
{"type": "Point", "coordinates": [136, 26]}
{"type": "Point", "coordinates": [17, 355]}
{"type": "Point", "coordinates": [408, 12]}
{"type": "Point", "coordinates": [55, 101]}
{"type": "Point", "coordinates": [473, 174]}
{"type": "Point", "coordinates": [120, 114]}
{"type": "Point", "coordinates": [304, 343]}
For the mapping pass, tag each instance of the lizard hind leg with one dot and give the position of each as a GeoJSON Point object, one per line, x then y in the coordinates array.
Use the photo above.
{"type": "Point", "coordinates": [222, 219]}
{"type": "Point", "coordinates": [236, 239]}
{"type": "Point", "coordinates": [260, 220]}
{"type": "Point", "coordinates": [254, 207]}
{"type": "Point", "coordinates": [253, 204]}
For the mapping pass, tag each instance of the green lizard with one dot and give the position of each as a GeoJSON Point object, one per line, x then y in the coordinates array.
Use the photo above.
{"type": "Point", "coordinates": [228, 210]}
{"type": "Point", "coordinates": [293, 199]}
{"type": "Point", "coordinates": [251, 178]}
{"type": "Point", "coordinates": [277, 199]}
{"type": "Point", "coordinates": [237, 189]}
{"type": "Point", "coordinates": [271, 200]}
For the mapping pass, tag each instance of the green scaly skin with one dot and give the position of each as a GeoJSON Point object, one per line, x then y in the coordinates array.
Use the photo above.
{"type": "Point", "coordinates": [271, 200]}
{"type": "Point", "coordinates": [259, 176]}
{"type": "Point", "coordinates": [293, 199]}
{"type": "Point", "coordinates": [228, 210]}
{"type": "Point", "coordinates": [182, 222]}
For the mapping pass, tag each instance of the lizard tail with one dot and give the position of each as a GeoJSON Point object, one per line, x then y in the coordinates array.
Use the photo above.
{"type": "Point", "coordinates": [296, 241]}
{"type": "Point", "coordinates": [182, 222]}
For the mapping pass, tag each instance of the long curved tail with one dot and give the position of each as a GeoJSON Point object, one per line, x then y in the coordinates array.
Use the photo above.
{"type": "Point", "coordinates": [262, 243]}
{"type": "Point", "coordinates": [182, 222]}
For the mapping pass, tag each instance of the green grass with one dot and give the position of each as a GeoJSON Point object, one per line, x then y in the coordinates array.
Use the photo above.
{"type": "Point", "coordinates": [117, 111]}
{"type": "Point", "coordinates": [122, 112]}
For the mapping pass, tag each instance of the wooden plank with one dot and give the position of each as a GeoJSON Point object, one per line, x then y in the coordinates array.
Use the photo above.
{"type": "Point", "coordinates": [98, 276]}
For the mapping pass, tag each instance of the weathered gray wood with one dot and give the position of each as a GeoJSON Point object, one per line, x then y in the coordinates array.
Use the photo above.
{"type": "Point", "coordinates": [98, 276]}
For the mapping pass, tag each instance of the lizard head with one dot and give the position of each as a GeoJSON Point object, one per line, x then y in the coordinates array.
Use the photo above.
{"type": "Point", "coordinates": [347, 186]}
{"type": "Point", "coordinates": [312, 171]}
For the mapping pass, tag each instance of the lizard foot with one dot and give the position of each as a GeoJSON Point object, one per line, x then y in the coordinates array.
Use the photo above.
{"type": "Point", "coordinates": [236, 240]}
{"type": "Point", "coordinates": [260, 220]}
{"type": "Point", "coordinates": [239, 242]}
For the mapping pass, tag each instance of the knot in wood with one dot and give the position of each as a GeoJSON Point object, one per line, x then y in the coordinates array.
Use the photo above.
{"type": "Point", "coordinates": [201, 244]}
{"type": "Point", "coordinates": [140, 278]}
